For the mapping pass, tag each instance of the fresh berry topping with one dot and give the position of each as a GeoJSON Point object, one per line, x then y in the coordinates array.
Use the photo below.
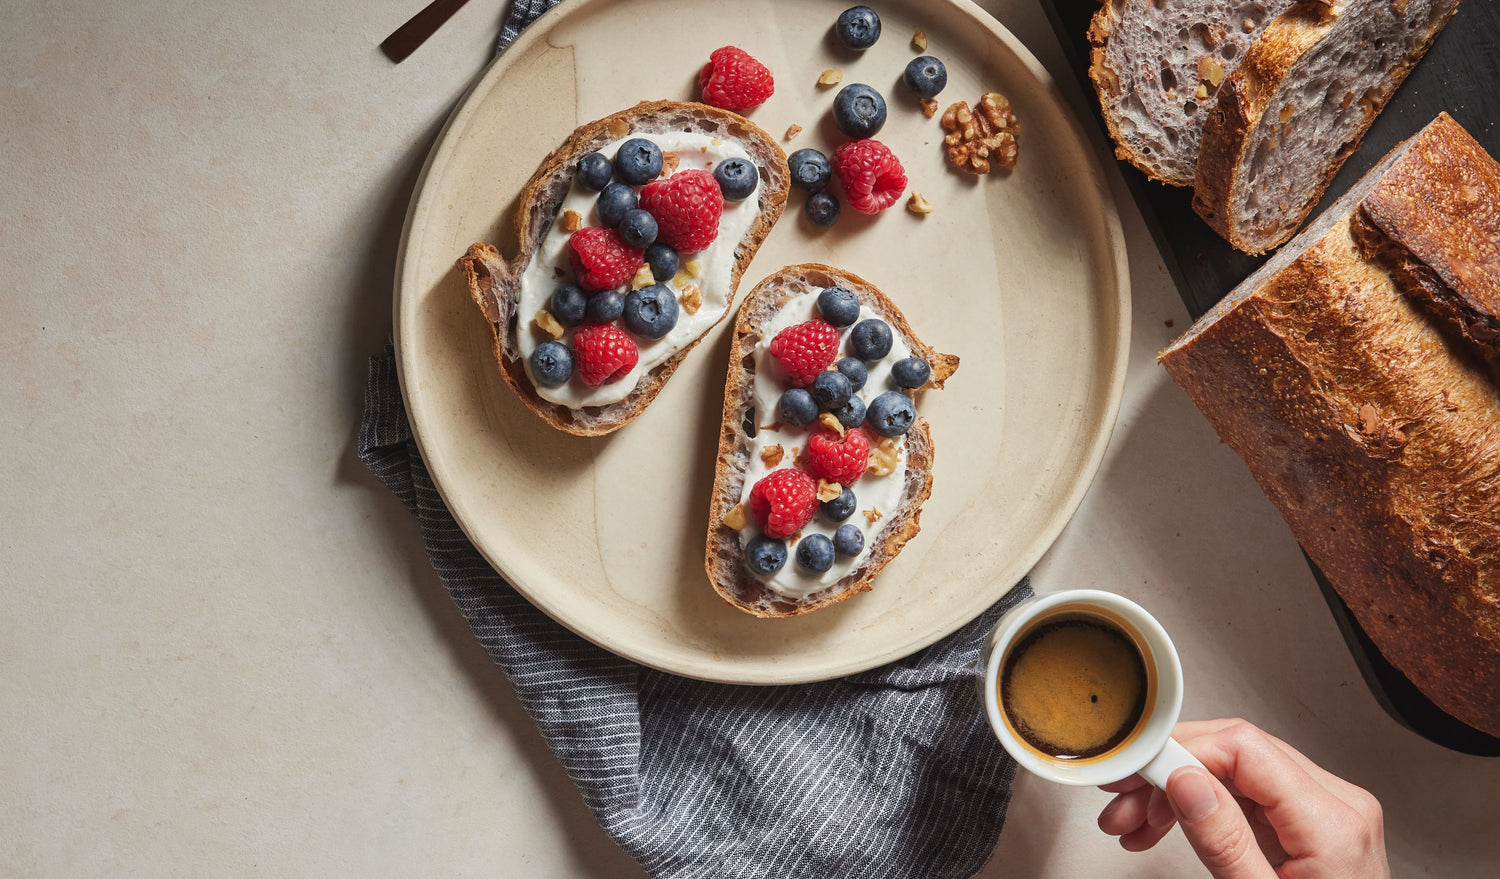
{"type": "Point", "coordinates": [614, 203]}
{"type": "Point", "coordinates": [604, 352]}
{"type": "Point", "coordinates": [765, 555]}
{"type": "Point", "coordinates": [551, 364]}
{"type": "Point", "coordinates": [841, 507]}
{"type": "Point", "coordinates": [601, 258]}
{"type": "Point", "coordinates": [605, 306]}
{"type": "Point", "coordinates": [804, 350]}
{"type": "Point", "coordinates": [858, 110]}
{"type": "Point", "coordinates": [870, 339]}
{"type": "Point", "coordinates": [891, 414]}
{"type": "Point", "coordinates": [797, 408]}
{"type": "Point", "coordinates": [822, 209]}
{"type": "Point", "coordinates": [651, 312]}
{"type": "Point", "coordinates": [594, 171]}
{"type": "Point", "coordinates": [783, 501]}
{"type": "Point", "coordinates": [855, 369]}
{"type": "Point", "coordinates": [925, 76]}
{"type": "Point", "coordinates": [687, 207]}
{"type": "Point", "coordinates": [851, 414]}
{"type": "Point", "coordinates": [840, 459]}
{"type": "Point", "coordinates": [872, 175]}
{"type": "Point", "coordinates": [663, 261]}
{"type": "Point", "coordinates": [831, 388]}
{"type": "Point", "coordinates": [810, 169]}
{"type": "Point", "coordinates": [638, 161]}
{"type": "Point", "coordinates": [733, 80]}
{"type": "Point", "coordinates": [814, 554]}
{"type": "Point", "coordinates": [910, 372]}
{"type": "Point", "coordinates": [638, 228]}
{"type": "Point", "coordinates": [568, 303]}
{"type": "Point", "coordinates": [848, 541]}
{"type": "Point", "coordinates": [838, 306]}
{"type": "Point", "coordinates": [858, 27]}
{"type": "Point", "coordinates": [737, 178]}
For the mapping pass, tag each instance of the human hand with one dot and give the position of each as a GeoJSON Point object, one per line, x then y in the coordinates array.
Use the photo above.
{"type": "Point", "coordinates": [1280, 815]}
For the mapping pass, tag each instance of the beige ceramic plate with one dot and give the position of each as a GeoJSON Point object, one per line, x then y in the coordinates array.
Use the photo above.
{"type": "Point", "coordinates": [1023, 277]}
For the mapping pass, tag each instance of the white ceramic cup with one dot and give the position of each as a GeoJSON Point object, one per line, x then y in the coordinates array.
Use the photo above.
{"type": "Point", "coordinates": [1149, 749]}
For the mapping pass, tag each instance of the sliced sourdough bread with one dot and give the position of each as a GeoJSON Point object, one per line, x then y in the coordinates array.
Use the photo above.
{"type": "Point", "coordinates": [1157, 67]}
{"type": "Point", "coordinates": [1376, 435]}
{"type": "Point", "coordinates": [1297, 107]}
{"type": "Point", "coordinates": [742, 425]}
{"type": "Point", "coordinates": [495, 282]}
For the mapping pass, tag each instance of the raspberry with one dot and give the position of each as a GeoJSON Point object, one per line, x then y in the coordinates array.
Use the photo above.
{"type": "Point", "coordinates": [603, 353]}
{"type": "Point", "coordinates": [687, 207]}
{"type": "Point", "coordinates": [602, 259]}
{"type": "Point", "coordinates": [783, 501]}
{"type": "Point", "coordinates": [872, 175]}
{"type": "Point", "coordinates": [805, 349]}
{"type": "Point", "coordinates": [733, 80]}
{"type": "Point", "coordinates": [835, 458]}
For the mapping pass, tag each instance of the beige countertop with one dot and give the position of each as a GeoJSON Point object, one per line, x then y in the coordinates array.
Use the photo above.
{"type": "Point", "coordinates": [224, 652]}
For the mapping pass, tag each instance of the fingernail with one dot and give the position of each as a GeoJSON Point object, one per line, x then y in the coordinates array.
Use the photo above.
{"type": "Point", "coordinates": [1192, 794]}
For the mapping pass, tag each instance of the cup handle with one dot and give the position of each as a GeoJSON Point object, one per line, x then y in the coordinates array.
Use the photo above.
{"type": "Point", "coordinates": [1172, 757]}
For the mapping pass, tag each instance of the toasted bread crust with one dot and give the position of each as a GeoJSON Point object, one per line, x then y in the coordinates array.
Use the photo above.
{"type": "Point", "coordinates": [724, 558]}
{"type": "Point", "coordinates": [494, 282]}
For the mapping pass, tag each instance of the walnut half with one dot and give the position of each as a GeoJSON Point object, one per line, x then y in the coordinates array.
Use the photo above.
{"type": "Point", "coordinates": [983, 138]}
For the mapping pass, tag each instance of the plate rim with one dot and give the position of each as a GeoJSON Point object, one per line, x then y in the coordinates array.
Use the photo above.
{"type": "Point", "coordinates": [1013, 573]}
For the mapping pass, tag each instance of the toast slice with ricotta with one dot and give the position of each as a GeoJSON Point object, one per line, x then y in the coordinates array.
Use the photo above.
{"type": "Point", "coordinates": [760, 437]}
{"type": "Point", "coordinates": [515, 294]}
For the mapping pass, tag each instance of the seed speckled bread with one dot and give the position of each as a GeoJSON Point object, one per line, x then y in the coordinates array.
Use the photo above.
{"type": "Point", "coordinates": [495, 283]}
{"type": "Point", "coordinates": [725, 559]}
{"type": "Point", "coordinates": [1377, 436]}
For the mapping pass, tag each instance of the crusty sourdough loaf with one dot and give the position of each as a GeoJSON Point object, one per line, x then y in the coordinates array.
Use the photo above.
{"type": "Point", "coordinates": [1377, 437]}
{"type": "Point", "coordinates": [1297, 107]}
{"type": "Point", "coordinates": [725, 559]}
{"type": "Point", "coordinates": [1157, 67]}
{"type": "Point", "coordinates": [495, 282]}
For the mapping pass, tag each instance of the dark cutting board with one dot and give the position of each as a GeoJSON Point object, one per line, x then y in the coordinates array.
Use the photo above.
{"type": "Point", "coordinates": [1459, 74]}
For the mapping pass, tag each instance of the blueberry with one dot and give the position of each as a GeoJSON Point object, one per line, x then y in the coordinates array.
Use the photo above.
{"type": "Point", "coordinates": [604, 306]}
{"type": "Point", "coordinates": [797, 408]}
{"type": "Point", "coordinates": [614, 203]}
{"type": "Point", "coordinates": [814, 554]}
{"type": "Point", "coordinates": [594, 171]}
{"type": "Point", "coordinates": [858, 110]}
{"type": "Point", "coordinates": [891, 414]}
{"type": "Point", "coordinates": [822, 209]}
{"type": "Point", "coordinates": [870, 339]}
{"type": "Point", "coordinates": [831, 388]}
{"type": "Point", "coordinates": [638, 228]}
{"type": "Point", "coordinates": [810, 169]}
{"type": "Point", "coordinates": [841, 507]}
{"type": "Point", "coordinates": [848, 540]}
{"type": "Point", "coordinates": [567, 304]}
{"type": "Point", "coordinates": [925, 76]}
{"type": "Point", "coordinates": [855, 369]}
{"type": "Point", "coordinates": [838, 306]}
{"type": "Point", "coordinates": [651, 312]}
{"type": "Point", "coordinates": [765, 555]}
{"type": "Point", "coordinates": [737, 178]}
{"type": "Point", "coordinates": [663, 261]}
{"type": "Point", "coordinates": [910, 372]}
{"type": "Point", "coordinates": [851, 414]}
{"type": "Point", "coordinates": [638, 161]}
{"type": "Point", "coordinates": [858, 27]}
{"type": "Point", "coordinates": [551, 364]}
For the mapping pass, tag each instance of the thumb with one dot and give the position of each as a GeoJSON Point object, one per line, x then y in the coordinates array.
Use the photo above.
{"type": "Point", "coordinates": [1215, 827]}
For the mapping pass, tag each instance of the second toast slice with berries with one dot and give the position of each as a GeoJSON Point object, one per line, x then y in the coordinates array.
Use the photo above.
{"type": "Point", "coordinates": [823, 463]}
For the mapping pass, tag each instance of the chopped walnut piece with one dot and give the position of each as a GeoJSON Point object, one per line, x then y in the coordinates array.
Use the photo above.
{"type": "Point", "coordinates": [715, 140]}
{"type": "Point", "coordinates": [793, 130]}
{"type": "Point", "coordinates": [572, 221]}
{"type": "Point", "coordinates": [919, 40]}
{"type": "Point", "coordinates": [982, 138]}
{"type": "Point", "coordinates": [669, 163]}
{"type": "Point", "coordinates": [831, 421]}
{"type": "Point", "coordinates": [917, 204]}
{"type": "Point", "coordinates": [682, 278]}
{"type": "Point", "coordinates": [691, 298]}
{"type": "Point", "coordinates": [618, 128]}
{"type": "Point", "coordinates": [827, 491]}
{"type": "Point", "coordinates": [929, 107]}
{"type": "Point", "coordinates": [736, 517]}
{"type": "Point", "coordinates": [771, 455]}
{"type": "Point", "coordinates": [548, 324]}
{"type": "Point", "coordinates": [831, 76]}
{"type": "Point", "coordinates": [643, 277]}
{"type": "Point", "coordinates": [883, 457]}
{"type": "Point", "coordinates": [873, 515]}
{"type": "Point", "coordinates": [694, 268]}
{"type": "Point", "coordinates": [774, 427]}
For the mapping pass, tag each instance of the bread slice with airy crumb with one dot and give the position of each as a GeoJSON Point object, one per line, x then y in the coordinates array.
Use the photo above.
{"type": "Point", "coordinates": [724, 557]}
{"type": "Point", "coordinates": [495, 282]}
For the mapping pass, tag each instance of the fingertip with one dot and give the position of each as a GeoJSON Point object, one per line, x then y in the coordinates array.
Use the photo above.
{"type": "Point", "coordinates": [1193, 794]}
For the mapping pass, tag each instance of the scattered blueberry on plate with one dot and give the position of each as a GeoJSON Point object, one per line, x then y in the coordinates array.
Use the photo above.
{"type": "Point", "coordinates": [925, 76]}
{"type": "Point", "coordinates": [651, 312]}
{"type": "Point", "coordinates": [858, 110]}
{"type": "Point", "coordinates": [822, 209]}
{"type": "Point", "coordinates": [858, 27]}
{"type": "Point", "coordinates": [737, 178]}
{"type": "Point", "coordinates": [810, 169]}
{"type": "Point", "coordinates": [638, 161]}
{"type": "Point", "coordinates": [551, 364]}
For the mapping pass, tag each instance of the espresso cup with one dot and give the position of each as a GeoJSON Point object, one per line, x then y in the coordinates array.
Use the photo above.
{"type": "Point", "coordinates": [1148, 747]}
